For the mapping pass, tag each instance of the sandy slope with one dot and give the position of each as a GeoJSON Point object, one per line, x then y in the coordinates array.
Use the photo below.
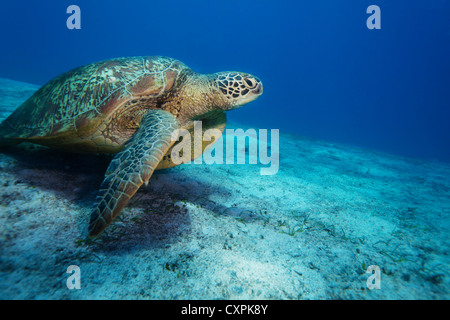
{"type": "Point", "coordinates": [225, 231]}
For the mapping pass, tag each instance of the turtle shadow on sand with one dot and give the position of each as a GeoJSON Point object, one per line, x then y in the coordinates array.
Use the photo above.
{"type": "Point", "coordinates": [75, 177]}
{"type": "Point", "coordinates": [151, 219]}
{"type": "Point", "coordinates": [157, 216]}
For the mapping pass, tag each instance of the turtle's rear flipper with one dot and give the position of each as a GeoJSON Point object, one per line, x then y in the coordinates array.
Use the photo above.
{"type": "Point", "coordinates": [5, 142]}
{"type": "Point", "coordinates": [132, 167]}
{"type": "Point", "coordinates": [5, 130]}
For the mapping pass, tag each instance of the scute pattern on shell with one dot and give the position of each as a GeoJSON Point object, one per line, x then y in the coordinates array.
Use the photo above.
{"type": "Point", "coordinates": [72, 100]}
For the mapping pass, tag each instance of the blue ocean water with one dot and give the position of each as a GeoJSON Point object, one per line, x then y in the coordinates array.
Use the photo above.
{"type": "Point", "coordinates": [325, 74]}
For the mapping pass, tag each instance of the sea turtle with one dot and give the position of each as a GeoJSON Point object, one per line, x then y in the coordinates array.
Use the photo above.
{"type": "Point", "coordinates": [130, 107]}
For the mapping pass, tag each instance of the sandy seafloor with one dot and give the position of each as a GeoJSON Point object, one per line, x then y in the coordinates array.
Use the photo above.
{"type": "Point", "coordinates": [225, 231]}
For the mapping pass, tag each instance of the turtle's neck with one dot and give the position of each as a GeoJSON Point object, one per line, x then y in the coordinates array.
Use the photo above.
{"type": "Point", "coordinates": [198, 96]}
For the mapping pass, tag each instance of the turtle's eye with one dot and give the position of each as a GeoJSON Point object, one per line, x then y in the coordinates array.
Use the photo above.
{"type": "Point", "coordinates": [250, 82]}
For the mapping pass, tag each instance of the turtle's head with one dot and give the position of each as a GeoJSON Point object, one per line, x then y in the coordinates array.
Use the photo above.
{"type": "Point", "coordinates": [238, 88]}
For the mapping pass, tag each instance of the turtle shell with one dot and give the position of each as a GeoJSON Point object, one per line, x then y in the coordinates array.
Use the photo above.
{"type": "Point", "coordinates": [77, 102]}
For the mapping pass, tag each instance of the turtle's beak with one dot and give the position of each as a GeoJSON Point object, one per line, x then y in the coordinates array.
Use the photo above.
{"type": "Point", "coordinates": [259, 89]}
{"type": "Point", "coordinates": [252, 94]}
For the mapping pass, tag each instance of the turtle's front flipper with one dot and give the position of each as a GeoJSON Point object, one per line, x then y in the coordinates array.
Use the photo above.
{"type": "Point", "coordinates": [132, 167]}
